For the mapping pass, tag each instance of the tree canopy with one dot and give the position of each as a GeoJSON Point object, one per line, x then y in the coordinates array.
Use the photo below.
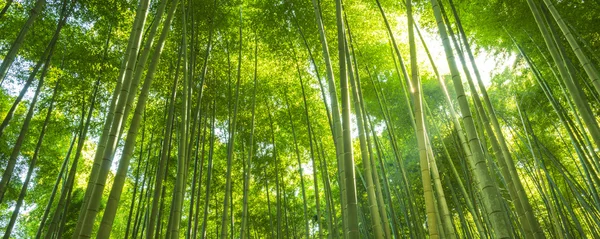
{"type": "Point", "coordinates": [299, 119]}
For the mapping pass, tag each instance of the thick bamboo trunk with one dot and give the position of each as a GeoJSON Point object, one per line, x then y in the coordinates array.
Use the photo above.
{"type": "Point", "coordinates": [104, 136]}
{"type": "Point", "coordinates": [360, 108]}
{"type": "Point", "coordinates": [589, 68]}
{"type": "Point", "coordinates": [349, 179]}
{"type": "Point", "coordinates": [460, 133]}
{"type": "Point", "coordinates": [490, 195]}
{"type": "Point", "coordinates": [485, 125]}
{"type": "Point", "coordinates": [497, 137]}
{"type": "Point", "coordinates": [371, 197]}
{"type": "Point", "coordinates": [433, 224]}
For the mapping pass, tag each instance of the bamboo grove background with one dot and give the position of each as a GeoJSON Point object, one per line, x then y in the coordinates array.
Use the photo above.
{"type": "Point", "coordinates": [299, 119]}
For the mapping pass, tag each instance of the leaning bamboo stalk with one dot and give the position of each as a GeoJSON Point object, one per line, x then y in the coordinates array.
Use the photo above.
{"type": "Point", "coordinates": [201, 168]}
{"type": "Point", "coordinates": [490, 195]}
{"type": "Point", "coordinates": [119, 181]}
{"type": "Point", "coordinates": [55, 188]}
{"type": "Point", "coordinates": [135, 191]}
{"type": "Point", "coordinates": [300, 171]}
{"type": "Point", "coordinates": [97, 183]}
{"type": "Point", "coordinates": [164, 155]}
{"type": "Point", "coordinates": [5, 8]}
{"type": "Point", "coordinates": [37, 9]}
{"type": "Point", "coordinates": [12, 161]}
{"type": "Point", "coordinates": [32, 165]}
{"type": "Point", "coordinates": [382, 102]}
{"type": "Point", "coordinates": [102, 141]}
{"type": "Point", "coordinates": [209, 170]}
{"type": "Point", "coordinates": [589, 68]}
{"type": "Point", "coordinates": [460, 133]}
{"type": "Point", "coordinates": [580, 99]}
{"type": "Point", "coordinates": [65, 196]}
{"type": "Point", "coordinates": [463, 191]}
{"type": "Point", "coordinates": [140, 199]}
{"type": "Point", "coordinates": [504, 153]}
{"type": "Point", "coordinates": [562, 117]}
{"type": "Point", "coordinates": [198, 110]}
{"type": "Point", "coordinates": [372, 168]}
{"type": "Point", "coordinates": [312, 156]}
{"type": "Point", "coordinates": [503, 162]}
{"type": "Point", "coordinates": [43, 62]}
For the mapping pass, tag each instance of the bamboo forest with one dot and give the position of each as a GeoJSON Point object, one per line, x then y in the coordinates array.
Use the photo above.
{"type": "Point", "coordinates": [307, 119]}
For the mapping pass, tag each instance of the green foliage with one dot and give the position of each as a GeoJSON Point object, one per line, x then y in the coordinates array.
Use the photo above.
{"type": "Point", "coordinates": [92, 45]}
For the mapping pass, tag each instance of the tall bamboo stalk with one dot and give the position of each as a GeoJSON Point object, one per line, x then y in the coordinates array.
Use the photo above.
{"type": "Point", "coordinates": [12, 161]}
{"type": "Point", "coordinates": [209, 170]}
{"type": "Point", "coordinates": [337, 127]}
{"type": "Point", "coordinates": [589, 68]}
{"type": "Point", "coordinates": [119, 181]}
{"type": "Point", "coordinates": [32, 165]}
{"type": "Point", "coordinates": [182, 157]}
{"type": "Point", "coordinates": [97, 182]}
{"type": "Point", "coordinates": [370, 187]}
{"type": "Point", "coordinates": [43, 62]}
{"type": "Point", "coordinates": [37, 9]}
{"type": "Point", "coordinates": [300, 171]}
{"type": "Point", "coordinates": [490, 195]}
{"type": "Point", "coordinates": [65, 196]}
{"type": "Point", "coordinates": [247, 177]}
{"type": "Point", "coordinates": [349, 180]}
{"type": "Point", "coordinates": [424, 162]}
{"type": "Point", "coordinates": [61, 172]}
{"type": "Point", "coordinates": [580, 99]}
{"type": "Point", "coordinates": [231, 143]}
